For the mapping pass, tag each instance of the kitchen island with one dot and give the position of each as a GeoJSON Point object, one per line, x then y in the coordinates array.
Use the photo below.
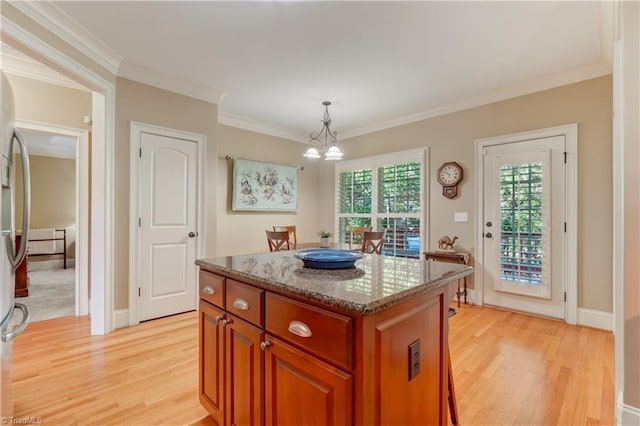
{"type": "Point", "coordinates": [281, 344]}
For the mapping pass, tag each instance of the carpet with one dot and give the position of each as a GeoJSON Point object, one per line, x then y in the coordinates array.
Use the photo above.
{"type": "Point", "coordinates": [52, 294]}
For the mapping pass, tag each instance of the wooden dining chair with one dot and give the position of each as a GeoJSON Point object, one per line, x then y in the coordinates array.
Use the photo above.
{"type": "Point", "coordinates": [278, 240]}
{"type": "Point", "coordinates": [356, 234]}
{"type": "Point", "coordinates": [291, 229]}
{"type": "Point", "coordinates": [372, 242]}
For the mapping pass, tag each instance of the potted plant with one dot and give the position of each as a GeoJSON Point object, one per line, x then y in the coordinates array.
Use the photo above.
{"type": "Point", "coordinates": [324, 237]}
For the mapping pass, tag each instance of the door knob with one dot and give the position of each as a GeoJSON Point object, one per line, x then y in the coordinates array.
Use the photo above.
{"type": "Point", "coordinates": [192, 234]}
{"type": "Point", "coordinates": [488, 235]}
{"type": "Point", "coordinates": [489, 223]}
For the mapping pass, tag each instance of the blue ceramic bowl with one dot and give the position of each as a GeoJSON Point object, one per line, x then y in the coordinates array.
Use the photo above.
{"type": "Point", "coordinates": [328, 258]}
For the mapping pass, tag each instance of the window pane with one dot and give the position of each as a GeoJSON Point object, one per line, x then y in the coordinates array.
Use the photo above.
{"type": "Point", "coordinates": [521, 222]}
{"type": "Point", "coordinates": [399, 188]}
{"type": "Point", "coordinates": [344, 223]}
{"type": "Point", "coordinates": [401, 237]}
{"type": "Point", "coordinates": [355, 192]}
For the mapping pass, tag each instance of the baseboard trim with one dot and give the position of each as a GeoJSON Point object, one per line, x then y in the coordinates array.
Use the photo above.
{"type": "Point", "coordinates": [626, 414]}
{"type": "Point", "coordinates": [596, 319]}
{"type": "Point", "coordinates": [121, 318]}
{"type": "Point", "coordinates": [587, 317]}
{"type": "Point", "coordinates": [50, 264]}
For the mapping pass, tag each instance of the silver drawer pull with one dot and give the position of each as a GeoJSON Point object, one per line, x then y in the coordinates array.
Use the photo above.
{"type": "Point", "coordinates": [299, 329]}
{"type": "Point", "coordinates": [208, 290]}
{"type": "Point", "coordinates": [241, 304]}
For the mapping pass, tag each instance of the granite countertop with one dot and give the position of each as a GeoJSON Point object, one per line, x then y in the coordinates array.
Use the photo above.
{"type": "Point", "coordinates": [376, 282]}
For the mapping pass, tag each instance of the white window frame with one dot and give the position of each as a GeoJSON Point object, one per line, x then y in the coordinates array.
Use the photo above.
{"type": "Point", "coordinates": [420, 155]}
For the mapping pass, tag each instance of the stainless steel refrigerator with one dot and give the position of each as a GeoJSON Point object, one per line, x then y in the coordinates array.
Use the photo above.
{"type": "Point", "coordinates": [10, 311]}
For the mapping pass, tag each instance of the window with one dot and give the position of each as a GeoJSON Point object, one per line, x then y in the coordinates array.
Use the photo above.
{"type": "Point", "coordinates": [521, 213]}
{"type": "Point", "coordinates": [386, 193]}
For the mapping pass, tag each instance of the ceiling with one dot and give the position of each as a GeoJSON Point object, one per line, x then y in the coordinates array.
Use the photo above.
{"type": "Point", "coordinates": [269, 65]}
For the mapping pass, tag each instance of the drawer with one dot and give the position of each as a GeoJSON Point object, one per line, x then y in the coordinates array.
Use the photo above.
{"type": "Point", "coordinates": [212, 288]}
{"type": "Point", "coordinates": [324, 333]}
{"type": "Point", "coordinates": [245, 301]}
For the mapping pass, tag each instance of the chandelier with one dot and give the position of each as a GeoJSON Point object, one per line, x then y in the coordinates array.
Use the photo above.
{"type": "Point", "coordinates": [325, 141]}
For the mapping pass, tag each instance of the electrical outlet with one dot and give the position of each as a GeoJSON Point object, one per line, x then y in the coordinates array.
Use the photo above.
{"type": "Point", "coordinates": [414, 359]}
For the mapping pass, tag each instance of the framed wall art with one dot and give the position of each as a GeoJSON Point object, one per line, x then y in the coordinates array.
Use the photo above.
{"type": "Point", "coordinates": [259, 186]}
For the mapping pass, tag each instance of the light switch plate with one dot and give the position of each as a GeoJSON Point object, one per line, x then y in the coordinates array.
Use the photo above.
{"type": "Point", "coordinates": [460, 217]}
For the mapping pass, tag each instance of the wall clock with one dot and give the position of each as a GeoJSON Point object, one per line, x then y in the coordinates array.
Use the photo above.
{"type": "Point", "coordinates": [449, 176]}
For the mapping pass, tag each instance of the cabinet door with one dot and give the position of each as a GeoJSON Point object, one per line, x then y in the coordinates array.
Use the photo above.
{"type": "Point", "coordinates": [211, 358]}
{"type": "Point", "coordinates": [302, 390]}
{"type": "Point", "coordinates": [244, 372]}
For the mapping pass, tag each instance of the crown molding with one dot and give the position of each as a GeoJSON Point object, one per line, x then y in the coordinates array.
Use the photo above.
{"type": "Point", "coordinates": [62, 25]}
{"type": "Point", "coordinates": [545, 83]}
{"type": "Point", "coordinates": [23, 66]}
{"type": "Point", "coordinates": [260, 127]}
{"type": "Point", "coordinates": [167, 82]}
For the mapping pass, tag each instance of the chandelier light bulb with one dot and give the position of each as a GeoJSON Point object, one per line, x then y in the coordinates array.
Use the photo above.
{"type": "Point", "coordinates": [312, 153]}
{"type": "Point", "coordinates": [333, 153]}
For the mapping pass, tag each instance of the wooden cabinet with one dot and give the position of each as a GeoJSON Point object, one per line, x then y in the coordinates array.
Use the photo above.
{"type": "Point", "coordinates": [244, 360]}
{"type": "Point", "coordinates": [211, 360]}
{"type": "Point", "coordinates": [418, 327]}
{"type": "Point", "coordinates": [302, 390]}
{"type": "Point", "coordinates": [325, 334]}
{"type": "Point", "coordinates": [266, 358]}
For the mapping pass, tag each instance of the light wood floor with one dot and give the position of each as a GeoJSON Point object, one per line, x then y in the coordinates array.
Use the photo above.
{"type": "Point", "coordinates": [509, 369]}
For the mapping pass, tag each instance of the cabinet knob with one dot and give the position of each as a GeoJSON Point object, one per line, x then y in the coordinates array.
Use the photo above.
{"type": "Point", "coordinates": [226, 321]}
{"type": "Point", "coordinates": [299, 329]}
{"type": "Point", "coordinates": [207, 289]}
{"type": "Point", "coordinates": [218, 318]}
{"type": "Point", "coordinates": [264, 345]}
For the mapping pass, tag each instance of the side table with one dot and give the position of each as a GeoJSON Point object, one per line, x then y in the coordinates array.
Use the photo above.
{"type": "Point", "coordinates": [460, 257]}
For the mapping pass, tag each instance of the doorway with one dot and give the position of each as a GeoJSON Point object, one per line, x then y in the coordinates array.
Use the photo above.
{"type": "Point", "coordinates": [526, 229]}
{"type": "Point", "coordinates": [101, 170]}
{"type": "Point", "coordinates": [60, 201]}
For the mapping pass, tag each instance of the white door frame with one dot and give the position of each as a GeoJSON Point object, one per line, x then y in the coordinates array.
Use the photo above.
{"type": "Point", "coordinates": [82, 205]}
{"type": "Point", "coordinates": [137, 129]}
{"type": "Point", "coordinates": [102, 165]}
{"type": "Point", "coordinates": [570, 132]}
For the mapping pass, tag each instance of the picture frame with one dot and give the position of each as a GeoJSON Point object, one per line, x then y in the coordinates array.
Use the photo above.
{"type": "Point", "coordinates": [260, 186]}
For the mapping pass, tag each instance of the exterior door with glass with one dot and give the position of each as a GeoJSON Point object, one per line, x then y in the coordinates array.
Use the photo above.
{"type": "Point", "coordinates": [524, 226]}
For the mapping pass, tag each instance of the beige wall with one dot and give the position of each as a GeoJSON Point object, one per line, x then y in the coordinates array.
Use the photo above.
{"type": "Point", "coordinates": [53, 197]}
{"type": "Point", "coordinates": [243, 232]}
{"type": "Point", "coordinates": [49, 103]}
{"type": "Point", "coordinates": [631, 194]}
{"type": "Point", "coordinates": [451, 138]}
{"type": "Point", "coordinates": [150, 105]}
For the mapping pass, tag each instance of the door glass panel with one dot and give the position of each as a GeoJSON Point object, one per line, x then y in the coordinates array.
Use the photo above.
{"type": "Point", "coordinates": [521, 194]}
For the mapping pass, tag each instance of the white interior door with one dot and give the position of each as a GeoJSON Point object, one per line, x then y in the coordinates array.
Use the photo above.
{"type": "Point", "coordinates": [167, 227]}
{"type": "Point", "coordinates": [524, 226]}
